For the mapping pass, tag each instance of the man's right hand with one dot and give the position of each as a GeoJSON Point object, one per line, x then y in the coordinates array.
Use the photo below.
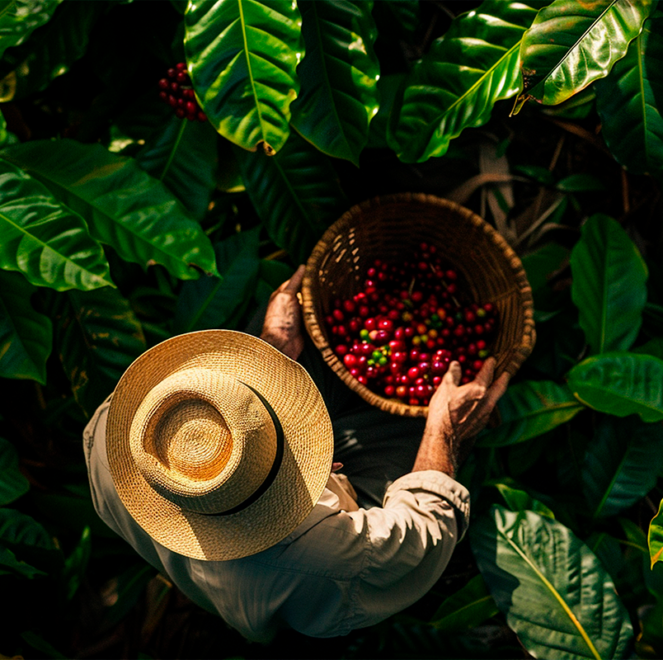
{"type": "Point", "coordinates": [456, 414]}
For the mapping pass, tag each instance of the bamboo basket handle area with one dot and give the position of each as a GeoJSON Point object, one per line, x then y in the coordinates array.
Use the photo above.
{"type": "Point", "coordinates": [385, 227]}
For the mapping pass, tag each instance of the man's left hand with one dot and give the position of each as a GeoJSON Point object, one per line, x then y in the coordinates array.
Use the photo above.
{"type": "Point", "coordinates": [283, 320]}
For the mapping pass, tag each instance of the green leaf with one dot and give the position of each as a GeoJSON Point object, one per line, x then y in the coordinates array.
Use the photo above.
{"type": "Point", "coordinates": [620, 384]}
{"type": "Point", "coordinates": [70, 512]}
{"type": "Point", "coordinates": [50, 51]}
{"type": "Point", "coordinates": [457, 83]}
{"type": "Point", "coordinates": [211, 302]}
{"type": "Point", "coordinates": [183, 155]}
{"type": "Point", "coordinates": [529, 409]}
{"type": "Point", "coordinates": [572, 43]}
{"type": "Point", "coordinates": [579, 106]}
{"type": "Point", "coordinates": [36, 641]}
{"type": "Point", "coordinates": [540, 174]}
{"type": "Point", "coordinates": [44, 240]}
{"type": "Point", "coordinates": [339, 75]}
{"type": "Point", "coordinates": [25, 335]}
{"type": "Point", "coordinates": [274, 273]}
{"type": "Point", "coordinates": [76, 564]}
{"type": "Point", "coordinates": [12, 483]}
{"type": "Point", "coordinates": [655, 536]}
{"type": "Point", "coordinates": [552, 589]}
{"type": "Point", "coordinates": [242, 56]}
{"type": "Point", "coordinates": [6, 137]}
{"type": "Point", "coordinates": [470, 606]}
{"type": "Point", "coordinates": [580, 183]}
{"type": "Point", "coordinates": [129, 585]}
{"type": "Point", "coordinates": [141, 118]}
{"type": "Point", "coordinates": [388, 89]}
{"type": "Point", "coordinates": [607, 549]}
{"type": "Point", "coordinates": [25, 537]}
{"type": "Point", "coordinates": [296, 194]}
{"type": "Point", "coordinates": [123, 206]}
{"type": "Point", "coordinates": [271, 275]}
{"type": "Point", "coordinates": [97, 337]}
{"type": "Point", "coordinates": [609, 285]}
{"type": "Point", "coordinates": [621, 464]}
{"type": "Point", "coordinates": [520, 500]}
{"type": "Point", "coordinates": [628, 102]}
{"type": "Point", "coordinates": [541, 264]}
{"type": "Point", "coordinates": [18, 18]}
{"type": "Point", "coordinates": [10, 565]}
{"type": "Point", "coordinates": [18, 531]}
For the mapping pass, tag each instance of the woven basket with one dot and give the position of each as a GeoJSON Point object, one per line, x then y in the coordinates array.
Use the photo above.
{"type": "Point", "coordinates": [392, 227]}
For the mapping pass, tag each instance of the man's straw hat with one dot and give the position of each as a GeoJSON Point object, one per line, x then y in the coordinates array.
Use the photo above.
{"type": "Point", "coordinates": [218, 444]}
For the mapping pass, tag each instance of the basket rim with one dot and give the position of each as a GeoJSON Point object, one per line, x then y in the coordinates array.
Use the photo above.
{"type": "Point", "coordinates": [313, 326]}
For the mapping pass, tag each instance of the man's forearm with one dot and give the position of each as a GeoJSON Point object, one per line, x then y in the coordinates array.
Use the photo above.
{"type": "Point", "coordinates": [435, 454]}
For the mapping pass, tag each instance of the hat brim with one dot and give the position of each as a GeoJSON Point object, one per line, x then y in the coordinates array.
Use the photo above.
{"type": "Point", "coordinates": [307, 452]}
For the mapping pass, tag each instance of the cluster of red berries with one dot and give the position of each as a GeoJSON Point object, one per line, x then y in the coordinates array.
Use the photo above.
{"type": "Point", "coordinates": [176, 90]}
{"type": "Point", "coordinates": [399, 335]}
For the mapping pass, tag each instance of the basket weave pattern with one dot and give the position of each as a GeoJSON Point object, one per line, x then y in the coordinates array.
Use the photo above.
{"type": "Point", "coordinates": [391, 228]}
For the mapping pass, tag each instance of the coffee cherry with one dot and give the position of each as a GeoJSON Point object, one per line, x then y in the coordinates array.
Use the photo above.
{"type": "Point", "coordinates": [382, 336]}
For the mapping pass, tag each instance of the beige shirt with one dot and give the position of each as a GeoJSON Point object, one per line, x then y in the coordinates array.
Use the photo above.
{"type": "Point", "coordinates": [342, 568]}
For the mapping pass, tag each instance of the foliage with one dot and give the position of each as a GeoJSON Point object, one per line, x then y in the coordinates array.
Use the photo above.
{"type": "Point", "coordinates": [121, 225]}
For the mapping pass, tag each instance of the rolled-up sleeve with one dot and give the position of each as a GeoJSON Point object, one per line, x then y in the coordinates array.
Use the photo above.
{"type": "Point", "coordinates": [372, 563]}
{"type": "Point", "coordinates": [411, 541]}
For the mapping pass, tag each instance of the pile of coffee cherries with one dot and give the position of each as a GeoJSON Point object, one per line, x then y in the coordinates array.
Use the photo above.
{"type": "Point", "coordinates": [411, 320]}
{"type": "Point", "coordinates": [176, 90]}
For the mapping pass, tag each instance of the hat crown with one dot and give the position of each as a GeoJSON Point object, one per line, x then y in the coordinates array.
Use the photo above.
{"type": "Point", "coordinates": [203, 440]}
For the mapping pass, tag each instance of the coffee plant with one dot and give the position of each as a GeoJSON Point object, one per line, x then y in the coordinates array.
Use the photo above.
{"type": "Point", "coordinates": [163, 168]}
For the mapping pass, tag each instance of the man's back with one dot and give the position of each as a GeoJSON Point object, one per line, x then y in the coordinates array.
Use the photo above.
{"type": "Point", "coordinates": [342, 568]}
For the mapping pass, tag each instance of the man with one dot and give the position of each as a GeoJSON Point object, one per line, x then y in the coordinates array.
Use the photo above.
{"type": "Point", "coordinates": [213, 459]}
